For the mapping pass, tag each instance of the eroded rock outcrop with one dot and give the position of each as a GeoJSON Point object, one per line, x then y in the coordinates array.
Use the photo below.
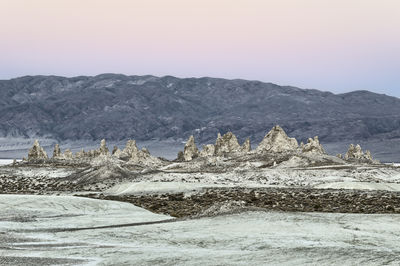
{"type": "Point", "coordinates": [246, 147]}
{"type": "Point", "coordinates": [277, 141]}
{"type": "Point", "coordinates": [356, 153]}
{"type": "Point", "coordinates": [207, 151]}
{"type": "Point", "coordinates": [103, 150]}
{"type": "Point", "coordinates": [56, 151]}
{"type": "Point", "coordinates": [190, 151]}
{"type": "Point", "coordinates": [37, 152]}
{"type": "Point", "coordinates": [132, 154]}
{"type": "Point", "coordinates": [80, 154]}
{"type": "Point", "coordinates": [68, 155]}
{"type": "Point", "coordinates": [313, 146]}
{"type": "Point", "coordinates": [227, 144]}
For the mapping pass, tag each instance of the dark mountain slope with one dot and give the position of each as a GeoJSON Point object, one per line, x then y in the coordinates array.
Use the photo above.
{"type": "Point", "coordinates": [118, 107]}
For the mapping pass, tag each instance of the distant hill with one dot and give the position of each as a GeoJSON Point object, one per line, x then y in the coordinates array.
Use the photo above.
{"type": "Point", "coordinates": [118, 107]}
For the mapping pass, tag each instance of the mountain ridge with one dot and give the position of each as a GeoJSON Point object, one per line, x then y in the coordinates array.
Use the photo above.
{"type": "Point", "coordinates": [116, 107]}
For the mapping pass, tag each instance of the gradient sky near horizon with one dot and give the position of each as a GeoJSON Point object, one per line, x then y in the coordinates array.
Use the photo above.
{"type": "Point", "coordinates": [338, 46]}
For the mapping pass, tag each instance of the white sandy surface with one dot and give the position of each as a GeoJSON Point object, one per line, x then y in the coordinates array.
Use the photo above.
{"type": "Point", "coordinates": [7, 161]}
{"type": "Point", "coordinates": [251, 238]}
{"type": "Point", "coordinates": [361, 185]}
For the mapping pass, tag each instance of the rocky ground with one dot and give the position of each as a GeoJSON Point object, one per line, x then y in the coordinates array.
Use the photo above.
{"type": "Point", "coordinates": [277, 199]}
{"type": "Point", "coordinates": [279, 174]}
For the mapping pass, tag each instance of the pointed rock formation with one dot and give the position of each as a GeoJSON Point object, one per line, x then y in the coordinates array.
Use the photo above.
{"type": "Point", "coordinates": [190, 151]}
{"type": "Point", "coordinates": [132, 154]}
{"type": "Point", "coordinates": [80, 154]}
{"type": "Point", "coordinates": [277, 141]}
{"type": "Point", "coordinates": [56, 151]}
{"type": "Point", "coordinates": [313, 146]}
{"type": "Point", "coordinates": [356, 153]}
{"type": "Point", "coordinates": [37, 152]}
{"type": "Point", "coordinates": [226, 144]}
{"type": "Point", "coordinates": [368, 155]}
{"type": "Point", "coordinates": [180, 157]}
{"type": "Point", "coordinates": [246, 147]}
{"type": "Point", "coordinates": [127, 152]}
{"type": "Point", "coordinates": [208, 150]}
{"type": "Point", "coordinates": [68, 154]}
{"type": "Point", "coordinates": [103, 147]}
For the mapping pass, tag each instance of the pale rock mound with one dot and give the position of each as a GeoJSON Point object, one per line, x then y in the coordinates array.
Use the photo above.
{"type": "Point", "coordinates": [190, 151]}
{"type": "Point", "coordinates": [80, 154]}
{"type": "Point", "coordinates": [313, 146]}
{"type": "Point", "coordinates": [208, 150]}
{"type": "Point", "coordinates": [227, 144]}
{"type": "Point", "coordinates": [68, 154]}
{"type": "Point", "coordinates": [277, 141]}
{"type": "Point", "coordinates": [132, 154]}
{"type": "Point", "coordinates": [356, 153]}
{"type": "Point", "coordinates": [103, 150]}
{"type": "Point", "coordinates": [56, 151]}
{"type": "Point", "coordinates": [246, 147]}
{"type": "Point", "coordinates": [37, 152]}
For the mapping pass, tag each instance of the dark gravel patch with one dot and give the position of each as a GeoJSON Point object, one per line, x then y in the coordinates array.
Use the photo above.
{"type": "Point", "coordinates": [15, 261]}
{"type": "Point", "coordinates": [277, 199]}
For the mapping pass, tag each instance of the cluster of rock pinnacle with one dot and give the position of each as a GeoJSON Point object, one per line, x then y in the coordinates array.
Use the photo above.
{"type": "Point", "coordinates": [276, 141]}
{"type": "Point", "coordinates": [356, 153]}
{"type": "Point", "coordinates": [130, 153]}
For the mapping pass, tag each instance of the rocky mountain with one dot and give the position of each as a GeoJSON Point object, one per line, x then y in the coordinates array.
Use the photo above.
{"type": "Point", "coordinates": [118, 107]}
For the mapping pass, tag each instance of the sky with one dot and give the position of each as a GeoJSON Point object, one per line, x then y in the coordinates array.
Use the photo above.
{"type": "Point", "coordinates": [337, 46]}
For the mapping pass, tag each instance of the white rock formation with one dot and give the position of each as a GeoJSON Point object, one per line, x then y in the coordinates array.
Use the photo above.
{"type": "Point", "coordinates": [246, 147]}
{"type": "Point", "coordinates": [368, 155]}
{"type": "Point", "coordinates": [102, 150]}
{"type": "Point", "coordinates": [68, 154]}
{"type": "Point", "coordinates": [37, 152]}
{"type": "Point", "coordinates": [356, 153]}
{"type": "Point", "coordinates": [132, 154]}
{"type": "Point", "coordinates": [190, 151]}
{"type": "Point", "coordinates": [227, 144]}
{"type": "Point", "coordinates": [57, 151]}
{"type": "Point", "coordinates": [103, 147]}
{"type": "Point", "coordinates": [277, 141]}
{"type": "Point", "coordinates": [80, 154]}
{"type": "Point", "coordinates": [208, 150]}
{"type": "Point", "coordinates": [313, 146]}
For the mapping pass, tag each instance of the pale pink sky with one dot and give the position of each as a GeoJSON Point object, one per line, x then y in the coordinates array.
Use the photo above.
{"type": "Point", "coordinates": [332, 45]}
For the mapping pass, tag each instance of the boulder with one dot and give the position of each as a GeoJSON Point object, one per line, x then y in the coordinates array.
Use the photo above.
{"type": "Point", "coordinates": [37, 152]}
{"type": "Point", "coordinates": [277, 141]}
{"type": "Point", "coordinates": [313, 146]}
